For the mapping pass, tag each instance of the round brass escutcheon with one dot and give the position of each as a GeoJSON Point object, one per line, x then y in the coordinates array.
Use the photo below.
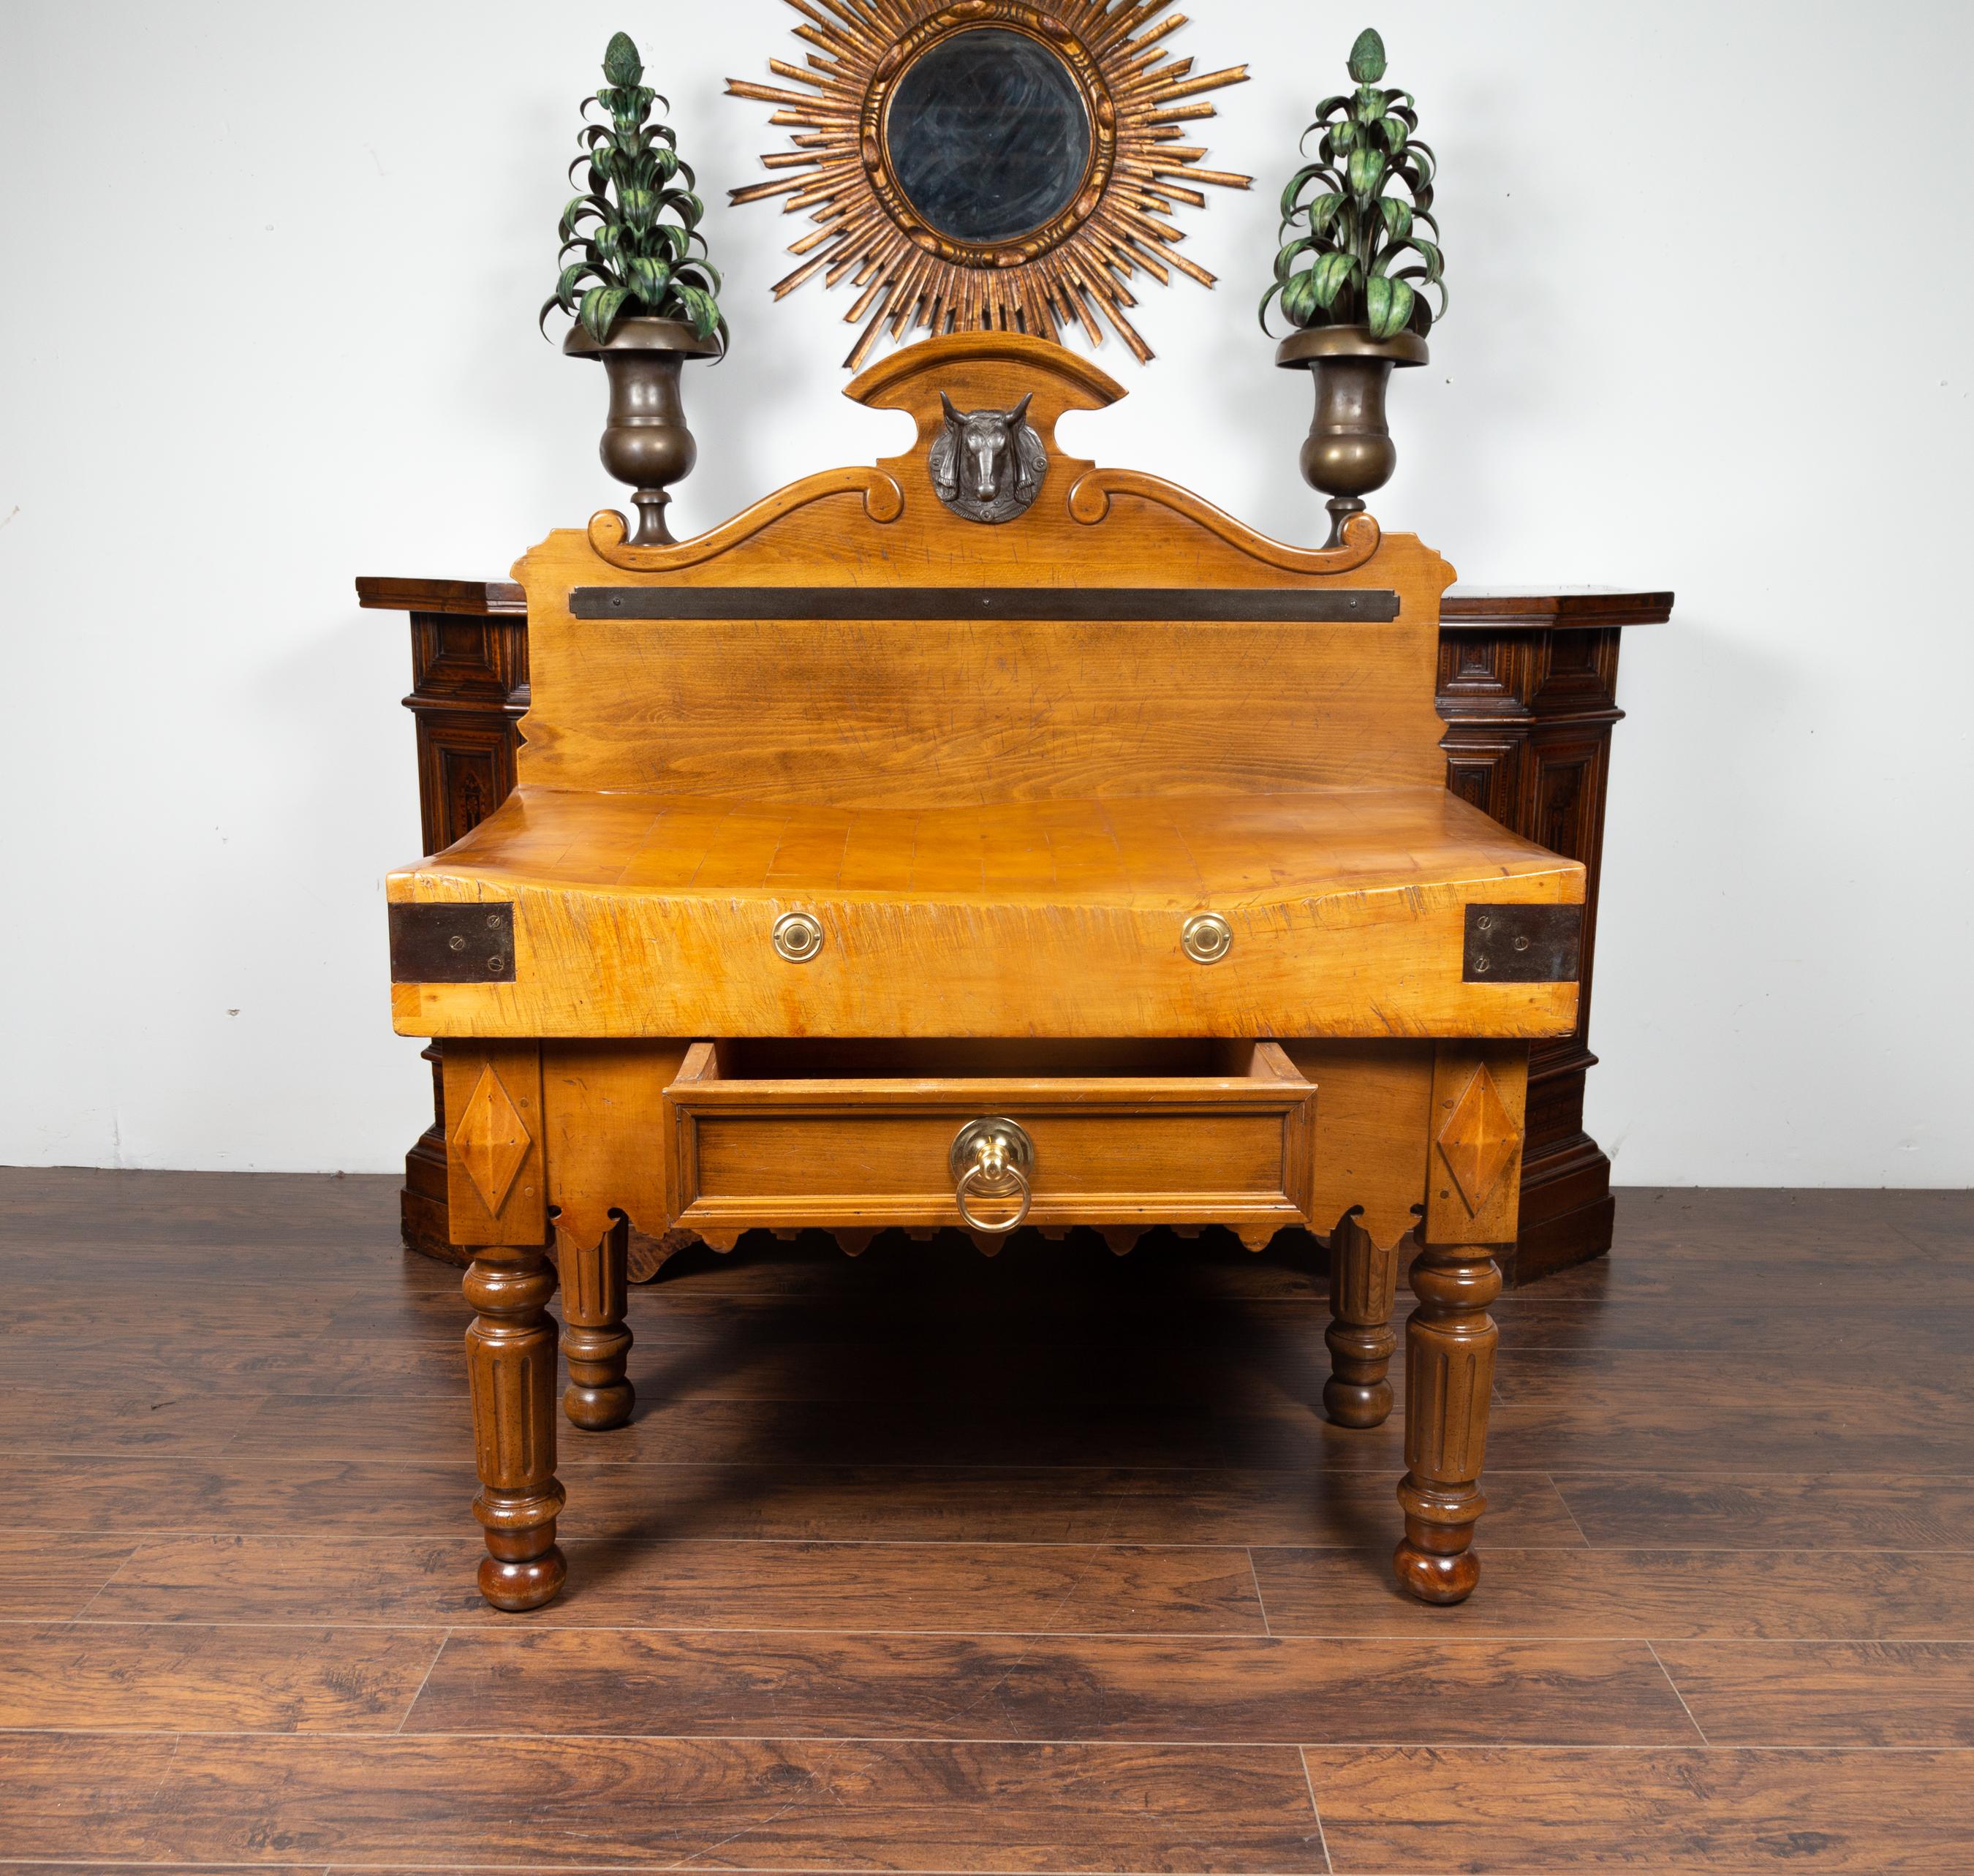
{"type": "Point", "coordinates": [1207, 938]}
{"type": "Point", "coordinates": [797, 936]}
{"type": "Point", "coordinates": [992, 1159]}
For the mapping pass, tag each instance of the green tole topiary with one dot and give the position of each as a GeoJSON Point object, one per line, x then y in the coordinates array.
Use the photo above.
{"type": "Point", "coordinates": [1355, 231]}
{"type": "Point", "coordinates": [640, 264]}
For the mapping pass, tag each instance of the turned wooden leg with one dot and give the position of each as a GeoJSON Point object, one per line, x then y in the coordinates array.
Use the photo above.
{"type": "Point", "coordinates": [1449, 1376]}
{"type": "Point", "coordinates": [594, 1336]}
{"type": "Point", "coordinates": [1363, 1287]}
{"type": "Point", "coordinates": [510, 1362]}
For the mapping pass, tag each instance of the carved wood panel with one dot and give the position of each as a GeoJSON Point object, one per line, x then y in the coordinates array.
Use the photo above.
{"type": "Point", "coordinates": [497, 1190]}
{"type": "Point", "coordinates": [469, 689]}
{"type": "Point", "coordinates": [1529, 711]}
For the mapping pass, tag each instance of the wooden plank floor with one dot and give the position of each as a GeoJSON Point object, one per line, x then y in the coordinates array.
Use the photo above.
{"type": "Point", "coordinates": [926, 1564]}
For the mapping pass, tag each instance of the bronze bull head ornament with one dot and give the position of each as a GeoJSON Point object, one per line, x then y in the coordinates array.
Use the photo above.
{"type": "Point", "coordinates": [988, 465]}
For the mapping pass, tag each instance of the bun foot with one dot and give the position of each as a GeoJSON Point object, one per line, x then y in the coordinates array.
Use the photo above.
{"type": "Point", "coordinates": [1357, 1404]}
{"type": "Point", "coordinates": [523, 1585]}
{"type": "Point", "coordinates": [597, 1409]}
{"type": "Point", "coordinates": [1432, 1577]}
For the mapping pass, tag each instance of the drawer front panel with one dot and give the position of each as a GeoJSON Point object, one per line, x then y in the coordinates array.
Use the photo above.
{"type": "Point", "coordinates": [1078, 1156]}
{"type": "Point", "coordinates": [1190, 1150]}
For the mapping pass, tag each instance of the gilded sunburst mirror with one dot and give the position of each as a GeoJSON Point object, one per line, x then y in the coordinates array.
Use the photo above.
{"type": "Point", "coordinates": [989, 165]}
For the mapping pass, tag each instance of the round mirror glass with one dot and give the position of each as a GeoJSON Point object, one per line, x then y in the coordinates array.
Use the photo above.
{"type": "Point", "coordinates": [988, 135]}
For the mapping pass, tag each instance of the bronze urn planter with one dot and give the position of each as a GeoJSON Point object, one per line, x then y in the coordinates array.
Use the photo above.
{"type": "Point", "coordinates": [1349, 452]}
{"type": "Point", "coordinates": [645, 440]}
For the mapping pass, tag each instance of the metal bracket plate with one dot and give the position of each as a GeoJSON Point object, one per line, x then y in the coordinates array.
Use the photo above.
{"type": "Point", "coordinates": [1523, 944]}
{"type": "Point", "coordinates": [452, 944]}
{"type": "Point", "coordinates": [1049, 605]}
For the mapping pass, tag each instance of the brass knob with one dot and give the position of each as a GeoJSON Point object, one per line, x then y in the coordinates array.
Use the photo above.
{"type": "Point", "coordinates": [992, 1160]}
{"type": "Point", "coordinates": [1206, 938]}
{"type": "Point", "coordinates": [797, 936]}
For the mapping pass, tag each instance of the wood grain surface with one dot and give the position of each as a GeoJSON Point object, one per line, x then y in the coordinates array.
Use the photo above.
{"type": "Point", "coordinates": [925, 1562]}
{"type": "Point", "coordinates": [1000, 823]}
{"type": "Point", "coordinates": [640, 914]}
{"type": "Point", "coordinates": [969, 714]}
{"type": "Point", "coordinates": [794, 1134]}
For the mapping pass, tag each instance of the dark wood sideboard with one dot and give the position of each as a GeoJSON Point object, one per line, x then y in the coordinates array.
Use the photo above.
{"type": "Point", "coordinates": [1528, 690]}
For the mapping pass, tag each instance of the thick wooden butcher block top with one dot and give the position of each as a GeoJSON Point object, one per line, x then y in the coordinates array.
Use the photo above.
{"type": "Point", "coordinates": [998, 765]}
{"type": "Point", "coordinates": [639, 915]}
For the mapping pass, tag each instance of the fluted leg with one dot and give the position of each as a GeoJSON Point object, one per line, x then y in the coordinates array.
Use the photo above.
{"type": "Point", "coordinates": [1449, 1377]}
{"type": "Point", "coordinates": [1363, 1287]}
{"type": "Point", "coordinates": [594, 1336]}
{"type": "Point", "coordinates": [510, 1363]}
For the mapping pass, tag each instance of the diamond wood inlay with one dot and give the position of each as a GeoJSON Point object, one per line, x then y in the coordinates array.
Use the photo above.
{"type": "Point", "coordinates": [1479, 1140]}
{"type": "Point", "coordinates": [491, 1141]}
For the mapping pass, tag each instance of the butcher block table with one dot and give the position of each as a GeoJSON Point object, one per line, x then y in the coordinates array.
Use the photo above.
{"type": "Point", "coordinates": [873, 864]}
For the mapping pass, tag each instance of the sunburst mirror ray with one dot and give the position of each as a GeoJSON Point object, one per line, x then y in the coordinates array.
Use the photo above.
{"type": "Point", "coordinates": [984, 165]}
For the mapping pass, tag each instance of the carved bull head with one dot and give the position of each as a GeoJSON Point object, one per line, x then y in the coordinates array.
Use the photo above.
{"type": "Point", "coordinates": [988, 465]}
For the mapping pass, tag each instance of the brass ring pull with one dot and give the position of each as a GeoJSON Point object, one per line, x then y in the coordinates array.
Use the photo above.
{"type": "Point", "coordinates": [992, 1159]}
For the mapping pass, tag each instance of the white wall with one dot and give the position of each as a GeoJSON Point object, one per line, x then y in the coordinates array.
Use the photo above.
{"type": "Point", "coordinates": [271, 276]}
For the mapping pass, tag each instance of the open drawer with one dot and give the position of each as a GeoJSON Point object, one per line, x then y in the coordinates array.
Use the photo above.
{"type": "Point", "coordinates": [859, 1135]}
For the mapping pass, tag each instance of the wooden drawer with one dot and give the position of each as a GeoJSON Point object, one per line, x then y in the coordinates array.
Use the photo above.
{"type": "Point", "coordinates": [858, 1134]}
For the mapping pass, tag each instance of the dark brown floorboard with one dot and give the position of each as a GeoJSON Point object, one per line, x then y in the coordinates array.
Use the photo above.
{"type": "Point", "coordinates": [727, 1804]}
{"type": "Point", "coordinates": [1121, 1687]}
{"type": "Point", "coordinates": [1831, 1692]}
{"type": "Point", "coordinates": [1012, 1588]}
{"type": "Point", "coordinates": [1744, 1595]}
{"type": "Point", "coordinates": [1724, 1811]}
{"type": "Point", "coordinates": [925, 1562]}
{"type": "Point", "coordinates": [1701, 1508]}
{"type": "Point", "coordinates": [1859, 1331]}
{"type": "Point", "coordinates": [974, 1504]}
{"type": "Point", "coordinates": [164, 1678]}
{"type": "Point", "coordinates": [45, 1576]}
